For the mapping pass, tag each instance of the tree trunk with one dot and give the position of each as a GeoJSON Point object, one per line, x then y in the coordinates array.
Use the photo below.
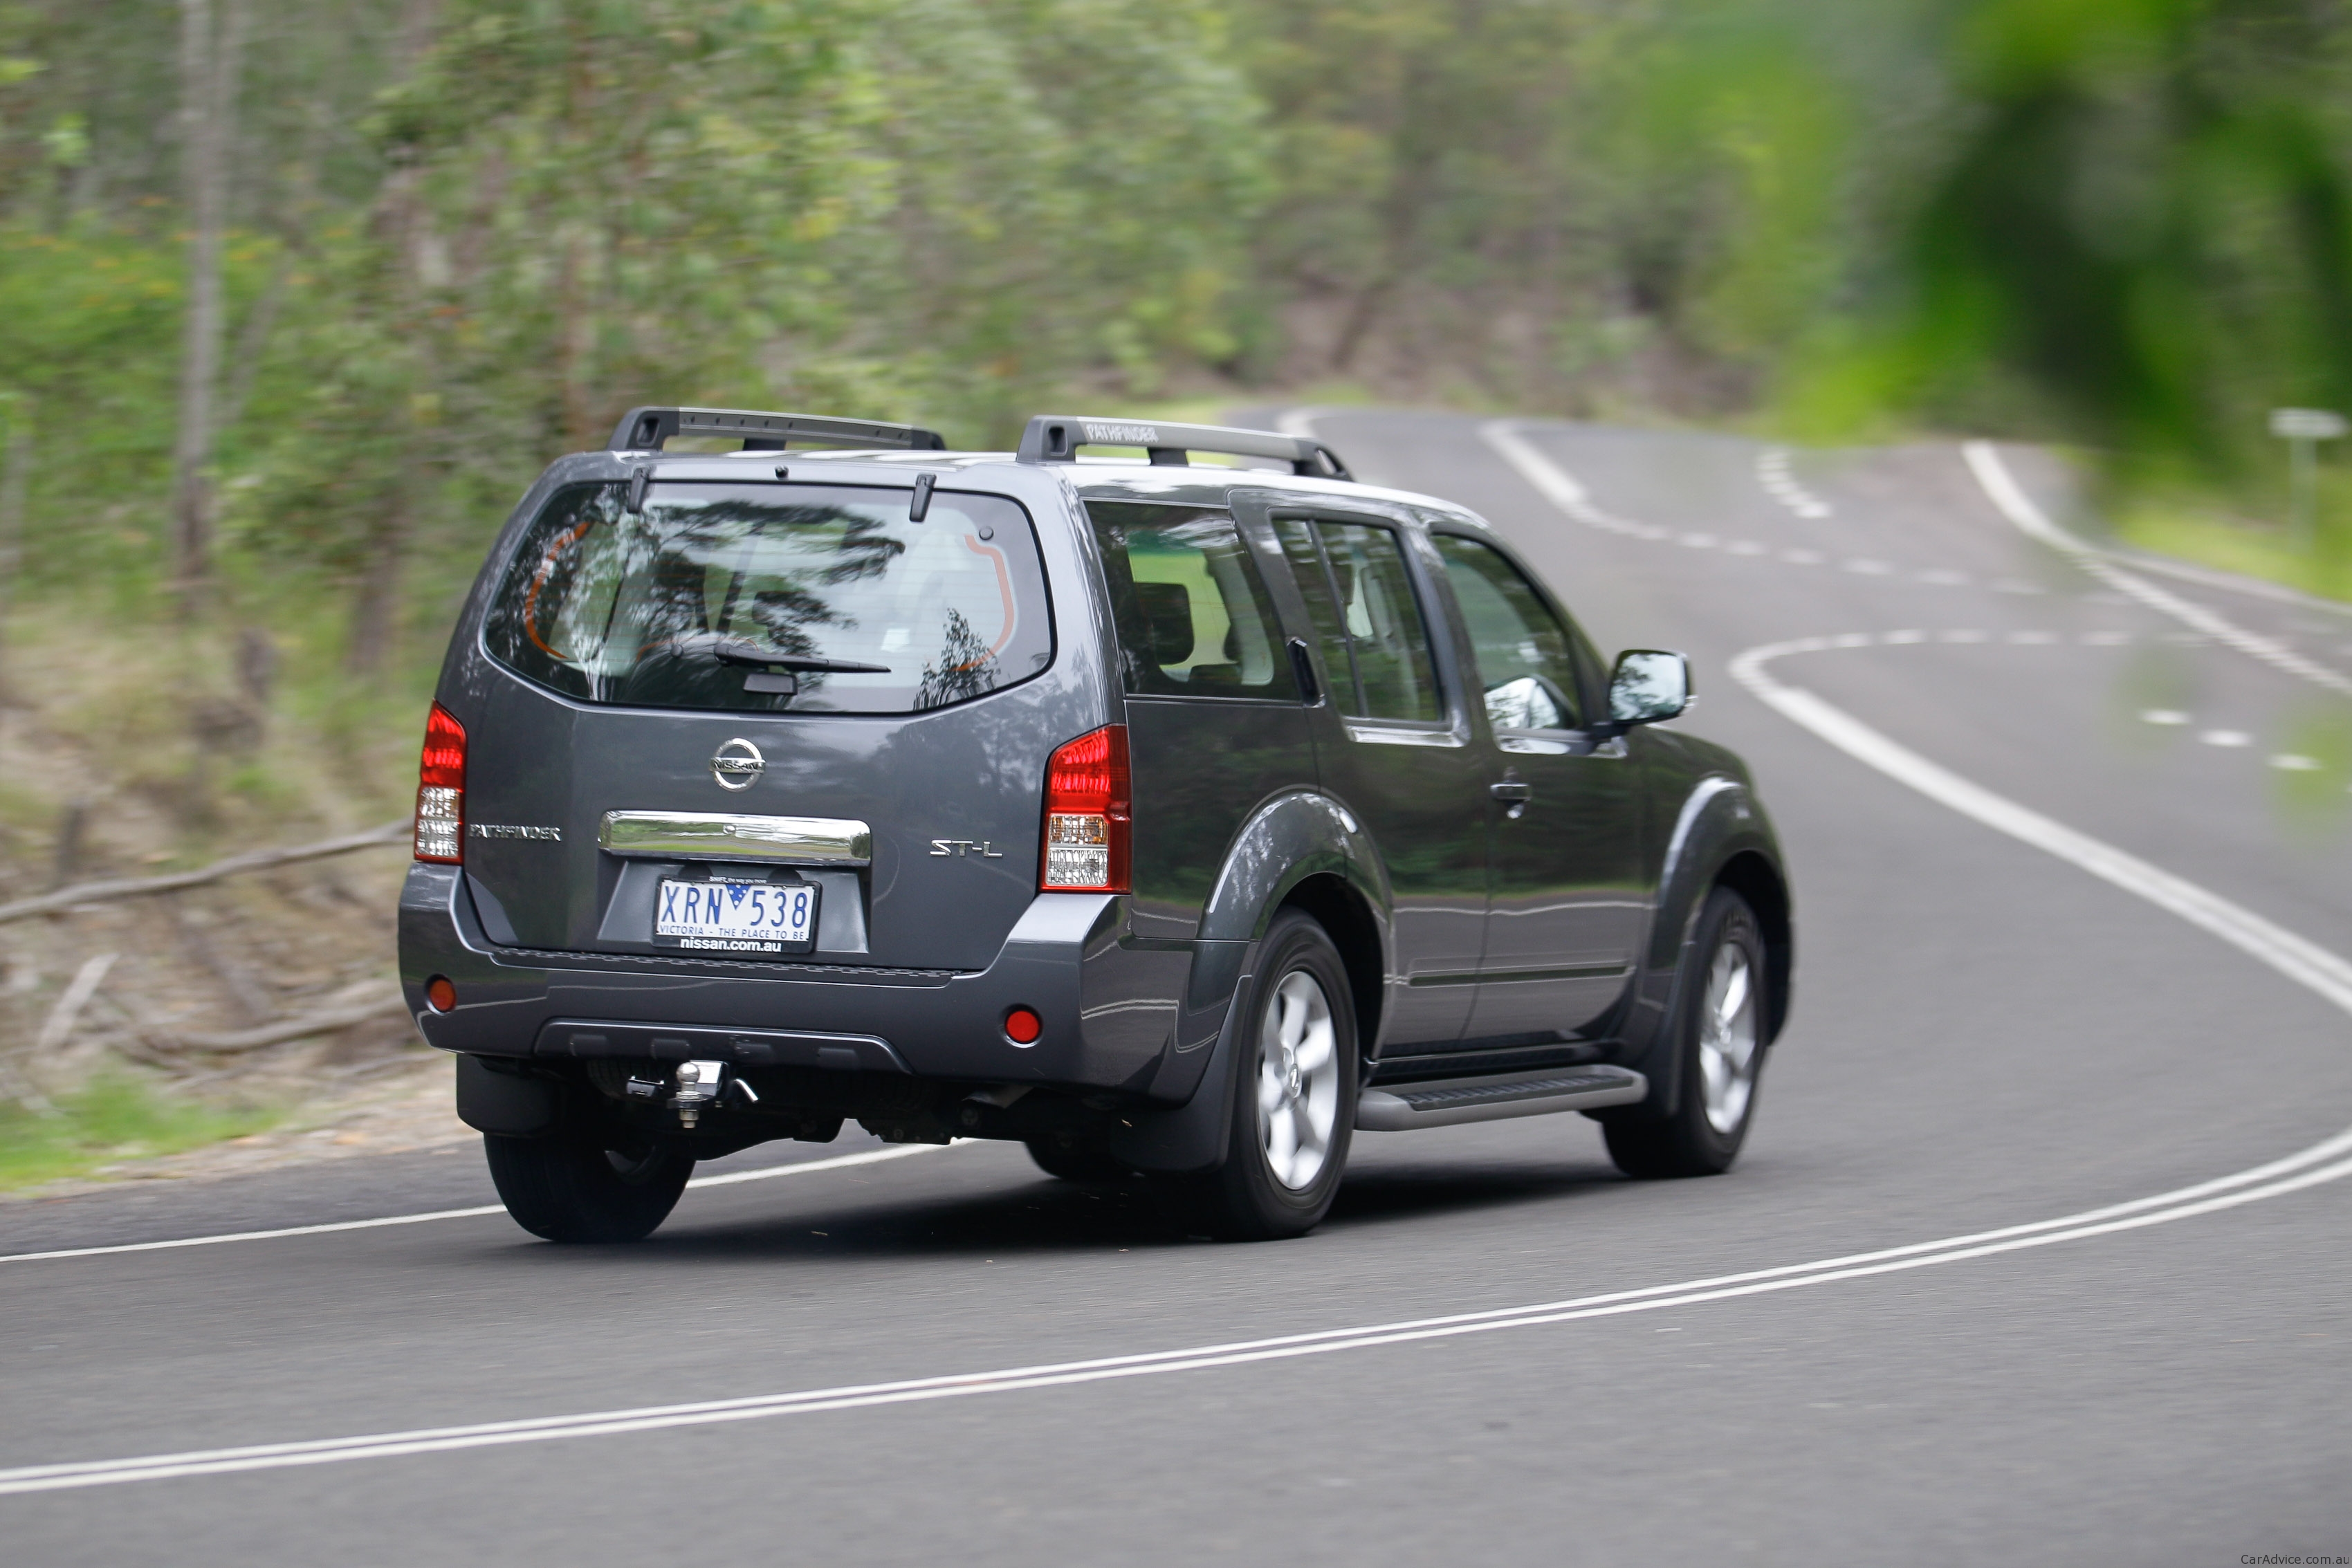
{"type": "Point", "coordinates": [1358, 323]}
{"type": "Point", "coordinates": [375, 596]}
{"type": "Point", "coordinates": [575, 339]}
{"type": "Point", "coordinates": [404, 223]}
{"type": "Point", "coordinates": [375, 601]}
{"type": "Point", "coordinates": [253, 339]}
{"type": "Point", "coordinates": [14, 479]}
{"type": "Point", "coordinates": [208, 70]}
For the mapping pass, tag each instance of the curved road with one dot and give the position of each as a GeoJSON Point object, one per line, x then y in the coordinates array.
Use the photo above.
{"type": "Point", "coordinates": [2071, 861]}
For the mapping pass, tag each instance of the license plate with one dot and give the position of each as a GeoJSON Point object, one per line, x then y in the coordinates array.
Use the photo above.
{"type": "Point", "coordinates": [737, 916]}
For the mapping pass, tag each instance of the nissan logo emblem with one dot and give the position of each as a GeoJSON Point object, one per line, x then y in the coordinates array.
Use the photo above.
{"type": "Point", "coordinates": [737, 765]}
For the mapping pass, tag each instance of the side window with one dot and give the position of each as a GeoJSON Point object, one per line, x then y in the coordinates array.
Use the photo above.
{"type": "Point", "coordinates": [1353, 577]}
{"type": "Point", "coordinates": [1193, 618]}
{"type": "Point", "coordinates": [1526, 662]}
{"type": "Point", "coordinates": [1314, 577]}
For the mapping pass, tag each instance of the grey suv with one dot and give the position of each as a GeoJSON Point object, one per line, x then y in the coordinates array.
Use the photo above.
{"type": "Point", "coordinates": [1178, 821]}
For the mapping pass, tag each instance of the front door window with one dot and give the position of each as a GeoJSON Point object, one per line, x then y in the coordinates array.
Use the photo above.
{"type": "Point", "coordinates": [1525, 665]}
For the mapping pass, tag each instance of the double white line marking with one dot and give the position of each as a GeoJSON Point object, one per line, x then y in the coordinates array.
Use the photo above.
{"type": "Point", "coordinates": [2321, 1163]}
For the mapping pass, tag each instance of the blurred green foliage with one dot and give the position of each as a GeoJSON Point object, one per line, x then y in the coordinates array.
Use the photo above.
{"type": "Point", "coordinates": [2130, 223]}
{"type": "Point", "coordinates": [465, 235]}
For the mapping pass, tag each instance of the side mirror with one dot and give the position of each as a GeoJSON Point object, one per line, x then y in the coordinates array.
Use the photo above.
{"type": "Point", "coordinates": [1647, 687]}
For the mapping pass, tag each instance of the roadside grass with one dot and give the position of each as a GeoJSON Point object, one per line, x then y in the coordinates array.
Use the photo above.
{"type": "Point", "coordinates": [2250, 550]}
{"type": "Point", "coordinates": [114, 1118]}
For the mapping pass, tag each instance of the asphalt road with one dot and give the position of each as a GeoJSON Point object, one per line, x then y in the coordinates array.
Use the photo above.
{"type": "Point", "coordinates": [1986, 1035]}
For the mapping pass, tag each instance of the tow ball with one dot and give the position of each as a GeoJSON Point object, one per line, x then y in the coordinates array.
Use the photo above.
{"type": "Point", "coordinates": [702, 1084]}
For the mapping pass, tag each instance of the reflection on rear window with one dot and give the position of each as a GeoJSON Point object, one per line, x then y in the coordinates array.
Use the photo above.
{"type": "Point", "coordinates": [774, 597]}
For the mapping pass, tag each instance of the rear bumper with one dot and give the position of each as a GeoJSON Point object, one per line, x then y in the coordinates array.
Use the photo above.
{"type": "Point", "coordinates": [1118, 1015]}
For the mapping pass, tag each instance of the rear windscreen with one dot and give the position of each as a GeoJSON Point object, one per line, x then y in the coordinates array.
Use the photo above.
{"type": "Point", "coordinates": [774, 597]}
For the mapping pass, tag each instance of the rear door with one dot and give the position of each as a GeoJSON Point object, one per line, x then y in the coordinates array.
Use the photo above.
{"type": "Point", "coordinates": [1569, 895]}
{"type": "Point", "coordinates": [1395, 748]}
{"type": "Point", "coordinates": [1214, 724]}
{"type": "Point", "coordinates": [777, 687]}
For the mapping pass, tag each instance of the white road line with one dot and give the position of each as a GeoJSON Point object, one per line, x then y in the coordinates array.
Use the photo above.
{"type": "Point", "coordinates": [2284, 761]}
{"type": "Point", "coordinates": [2204, 577]}
{"type": "Point", "coordinates": [1554, 483]}
{"type": "Point", "coordinates": [2305, 962]}
{"type": "Point", "coordinates": [768, 1172]}
{"type": "Point", "coordinates": [2010, 499]}
{"type": "Point", "coordinates": [2291, 1174]}
{"type": "Point", "coordinates": [1563, 490]}
{"type": "Point", "coordinates": [2301, 960]}
{"type": "Point", "coordinates": [1773, 473]}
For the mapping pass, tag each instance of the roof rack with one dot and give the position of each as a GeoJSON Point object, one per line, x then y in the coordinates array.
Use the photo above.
{"type": "Point", "coordinates": [645, 430]}
{"type": "Point", "coordinates": [1056, 437]}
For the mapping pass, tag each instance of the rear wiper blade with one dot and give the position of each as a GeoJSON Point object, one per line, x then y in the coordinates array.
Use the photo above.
{"type": "Point", "coordinates": [772, 659]}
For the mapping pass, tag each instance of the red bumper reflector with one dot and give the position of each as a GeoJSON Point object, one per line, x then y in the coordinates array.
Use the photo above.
{"type": "Point", "coordinates": [1023, 1027]}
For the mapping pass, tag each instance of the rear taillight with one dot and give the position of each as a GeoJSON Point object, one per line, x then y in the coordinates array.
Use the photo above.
{"type": "Point", "coordinates": [1087, 820]}
{"type": "Point", "coordinates": [441, 791]}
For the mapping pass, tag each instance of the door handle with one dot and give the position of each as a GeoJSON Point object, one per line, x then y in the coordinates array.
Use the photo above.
{"type": "Point", "coordinates": [1511, 789]}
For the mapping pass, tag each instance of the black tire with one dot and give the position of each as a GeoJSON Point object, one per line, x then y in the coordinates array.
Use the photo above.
{"type": "Point", "coordinates": [1693, 1139]}
{"type": "Point", "coordinates": [569, 1190]}
{"type": "Point", "coordinates": [1073, 1159]}
{"type": "Point", "coordinates": [1243, 1199]}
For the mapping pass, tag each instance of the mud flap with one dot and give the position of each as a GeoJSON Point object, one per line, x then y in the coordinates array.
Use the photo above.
{"type": "Point", "coordinates": [1191, 1136]}
{"type": "Point", "coordinates": [1660, 1059]}
{"type": "Point", "coordinates": [505, 1103]}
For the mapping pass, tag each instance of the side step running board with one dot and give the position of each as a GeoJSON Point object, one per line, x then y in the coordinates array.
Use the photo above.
{"type": "Point", "coordinates": [1442, 1104]}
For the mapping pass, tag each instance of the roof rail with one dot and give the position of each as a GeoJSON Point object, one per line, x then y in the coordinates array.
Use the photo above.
{"type": "Point", "coordinates": [1056, 437]}
{"type": "Point", "coordinates": [645, 429]}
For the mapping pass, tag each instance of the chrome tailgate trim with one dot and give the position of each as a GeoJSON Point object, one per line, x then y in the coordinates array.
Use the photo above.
{"type": "Point", "coordinates": [724, 836]}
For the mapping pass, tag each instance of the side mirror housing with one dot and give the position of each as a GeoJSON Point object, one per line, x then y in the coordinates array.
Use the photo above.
{"type": "Point", "coordinates": [1648, 686]}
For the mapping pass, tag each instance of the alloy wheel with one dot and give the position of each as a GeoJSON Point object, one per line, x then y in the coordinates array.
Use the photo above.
{"type": "Point", "coordinates": [1297, 1080]}
{"type": "Point", "coordinates": [1727, 1037]}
